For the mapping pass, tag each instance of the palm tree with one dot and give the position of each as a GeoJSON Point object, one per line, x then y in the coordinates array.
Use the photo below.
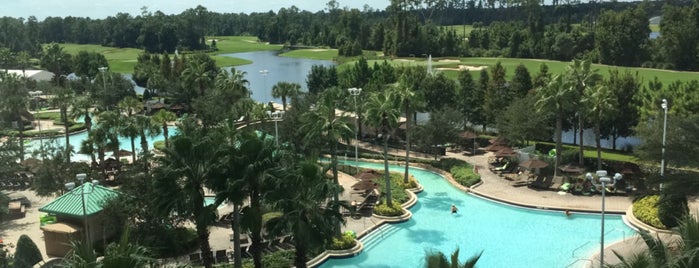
{"type": "Point", "coordinates": [162, 117]}
{"type": "Point", "coordinates": [301, 195]}
{"type": "Point", "coordinates": [555, 97]}
{"type": "Point", "coordinates": [146, 128]}
{"type": "Point", "coordinates": [130, 105]}
{"type": "Point", "coordinates": [254, 162]}
{"type": "Point", "coordinates": [188, 163]}
{"type": "Point", "coordinates": [409, 100]}
{"type": "Point", "coordinates": [15, 99]}
{"type": "Point", "coordinates": [600, 103]}
{"type": "Point", "coordinates": [196, 75]}
{"type": "Point", "coordinates": [382, 113]}
{"type": "Point", "coordinates": [322, 124]}
{"type": "Point", "coordinates": [81, 108]}
{"type": "Point", "coordinates": [232, 85]}
{"type": "Point", "coordinates": [681, 253]}
{"type": "Point", "coordinates": [129, 129]}
{"type": "Point", "coordinates": [581, 76]}
{"type": "Point", "coordinates": [111, 122]}
{"type": "Point", "coordinates": [64, 98]}
{"type": "Point", "coordinates": [284, 90]}
{"type": "Point", "coordinates": [438, 260]}
{"type": "Point", "coordinates": [116, 255]}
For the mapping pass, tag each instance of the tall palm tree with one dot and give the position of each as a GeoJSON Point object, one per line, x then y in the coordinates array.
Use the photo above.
{"type": "Point", "coordinates": [409, 99]}
{"type": "Point", "coordinates": [147, 127]}
{"type": "Point", "coordinates": [301, 195]}
{"type": "Point", "coordinates": [129, 129]}
{"type": "Point", "coordinates": [581, 76]}
{"type": "Point", "coordinates": [162, 118]}
{"type": "Point", "coordinates": [233, 85]}
{"type": "Point", "coordinates": [130, 106]}
{"type": "Point", "coordinates": [681, 253]}
{"type": "Point", "coordinates": [254, 161]}
{"type": "Point", "coordinates": [188, 163]}
{"type": "Point", "coordinates": [15, 99]}
{"type": "Point", "coordinates": [439, 260]}
{"type": "Point", "coordinates": [111, 122]}
{"type": "Point", "coordinates": [284, 90]}
{"type": "Point", "coordinates": [81, 108]}
{"type": "Point", "coordinates": [64, 98]}
{"type": "Point", "coordinates": [600, 103]}
{"type": "Point", "coordinates": [196, 75]}
{"type": "Point", "coordinates": [556, 97]}
{"type": "Point", "coordinates": [383, 113]}
{"type": "Point", "coordinates": [322, 124]}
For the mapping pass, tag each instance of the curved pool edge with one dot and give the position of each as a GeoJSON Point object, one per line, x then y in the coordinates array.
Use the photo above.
{"type": "Point", "coordinates": [347, 253]}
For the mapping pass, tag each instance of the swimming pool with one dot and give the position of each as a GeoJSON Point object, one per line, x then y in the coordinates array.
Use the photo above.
{"type": "Point", "coordinates": [508, 236]}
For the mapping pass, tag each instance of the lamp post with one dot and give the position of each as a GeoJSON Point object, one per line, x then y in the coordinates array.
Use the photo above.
{"type": "Point", "coordinates": [81, 177]}
{"type": "Point", "coordinates": [355, 92]}
{"type": "Point", "coordinates": [662, 158]}
{"type": "Point", "coordinates": [603, 179]}
{"type": "Point", "coordinates": [276, 117]}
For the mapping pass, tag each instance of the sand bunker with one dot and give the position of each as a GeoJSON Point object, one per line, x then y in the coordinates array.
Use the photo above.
{"type": "Point", "coordinates": [463, 68]}
{"type": "Point", "coordinates": [319, 50]}
{"type": "Point", "coordinates": [448, 60]}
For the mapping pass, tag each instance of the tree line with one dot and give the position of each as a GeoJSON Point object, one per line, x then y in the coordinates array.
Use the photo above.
{"type": "Point", "coordinates": [614, 33]}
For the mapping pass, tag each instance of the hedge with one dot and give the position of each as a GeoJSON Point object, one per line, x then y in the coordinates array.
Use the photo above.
{"type": "Point", "coordinates": [646, 210]}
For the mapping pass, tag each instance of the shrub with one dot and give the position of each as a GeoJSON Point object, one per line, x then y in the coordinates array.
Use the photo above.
{"type": "Point", "coordinates": [384, 210]}
{"type": "Point", "coordinates": [464, 175]}
{"type": "Point", "coordinates": [159, 145]}
{"type": "Point", "coordinates": [27, 253]}
{"type": "Point", "coordinates": [646, 210]}
{"type": "Point", "coordinates": [671, 208]}
{"type": "Point", "coordinates": [344, 241]}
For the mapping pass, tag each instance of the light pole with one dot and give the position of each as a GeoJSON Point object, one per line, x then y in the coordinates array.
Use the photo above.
{"type": "Point", "coordinates": [81, 177]}
{"type": "Point", "coordinates": [662, 158]}
{"type": "Point", "coordinates": [603, 179]}
{"type": "Point", "coordinates": [355, 92]}
{"type": "Point", "coordinates": [276, 117]}
{"type": "Point", "coordinates": [103, 70]}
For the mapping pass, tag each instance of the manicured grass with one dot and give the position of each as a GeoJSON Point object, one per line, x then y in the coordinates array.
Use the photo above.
{"type": "Point", "coordinates": [555, 67]}
{"type": "Point", "coordinates": [607, 154]}
{"type": "Point", "coordinates": [315, 54]}
{"type": "Point", "coordinates": [123, 60]}
{"type": "Point", "coordinates": [460, 29]}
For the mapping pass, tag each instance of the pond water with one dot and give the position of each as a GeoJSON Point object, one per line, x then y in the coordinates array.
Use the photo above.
{"type": "Point", "coordinates": [267, 69]}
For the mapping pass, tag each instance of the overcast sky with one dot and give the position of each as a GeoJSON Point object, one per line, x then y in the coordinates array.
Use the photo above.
{"type": "Point", "coordinates": [98, 9]}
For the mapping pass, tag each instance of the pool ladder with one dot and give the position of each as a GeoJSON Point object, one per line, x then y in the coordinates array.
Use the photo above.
{"type": "Point", "coordinates": [379, 234]}
{"type": "Point", "coordinates": [579, 259]}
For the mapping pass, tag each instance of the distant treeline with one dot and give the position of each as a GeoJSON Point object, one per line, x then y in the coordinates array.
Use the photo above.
{"type": "Point", "coordinates": [605, 32]}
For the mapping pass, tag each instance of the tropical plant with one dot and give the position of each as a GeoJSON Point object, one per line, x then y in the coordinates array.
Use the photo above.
{"type": "Point", "coordinates": [580, 76]}
{"type": "Point", "coordinates": [382, 113]}
{"type": "Point", "coordinates": [439, 260]}
{"type": "Point", "coordinates": [556, 97]}
{"type": "Point", "coordinates": [27, 253]}
{"type": "Point", "coordinates": [600, 103]}
{"type": "Point", "coordinates": [322, 124]}
{"type": "Point", "coordinates": [63, 100]}
{"type": "Point", "coordinates": [409, 100]}
{"type": "Point", "coordinates": [162, 118]}
{"type": "Point", "coordinates": [14, 100]}
{"type": "Point", "coordinates": [302, 196]}
{"type": "Point", "coordinates": [187, 164]}
{"type": "Point", "coordinates": [284, 90]}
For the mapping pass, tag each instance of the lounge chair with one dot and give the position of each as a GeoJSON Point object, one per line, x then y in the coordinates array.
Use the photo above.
{"type": "Point", "coordinates": [501, 168]}
{"type": "Point", "coordinates": [221, 256]}
{"type": "Point", "coordinates": [541, 182]}
{"type": "Point", "coordinates": [195, 259]}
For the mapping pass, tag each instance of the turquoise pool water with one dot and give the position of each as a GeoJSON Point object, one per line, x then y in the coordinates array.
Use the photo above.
{"type": "Point", "coordinates": [508, 236]}
{"type": "Point", "coordinates": [77, 139]}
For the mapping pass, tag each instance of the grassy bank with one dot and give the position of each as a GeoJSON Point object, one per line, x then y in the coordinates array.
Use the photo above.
{"type": "Point", "coordinates": [555, 67]}
{"type": "Point", "coordinates": [123, 60]}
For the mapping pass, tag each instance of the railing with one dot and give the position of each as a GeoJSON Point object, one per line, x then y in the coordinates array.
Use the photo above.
{"type": "Point", "coordinates": [618, 230]}
{"type": "Point", "coordinates": [578, 248]}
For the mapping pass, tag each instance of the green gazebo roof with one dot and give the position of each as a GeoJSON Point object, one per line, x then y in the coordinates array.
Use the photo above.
{"type": "Point", "coordinates": [70, 204]}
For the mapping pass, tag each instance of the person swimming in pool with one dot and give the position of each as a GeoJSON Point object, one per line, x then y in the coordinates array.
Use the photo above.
{"type": "Point", "coordinates": [454, 209]}
{"type": "Point", "coordinates": [567, 212]}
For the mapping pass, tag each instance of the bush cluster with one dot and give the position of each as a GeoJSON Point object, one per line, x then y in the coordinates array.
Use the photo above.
{"type": "Point", "coordinates": [282, 258]}
{"type": "Point", "coordinates": [344, 241]}
{"type": "Point", "coordinates": [384, 210]}
{"type": "Point", "coordinates": [464, 175]}
{"type": "Point", "coordinates": [646, 210]}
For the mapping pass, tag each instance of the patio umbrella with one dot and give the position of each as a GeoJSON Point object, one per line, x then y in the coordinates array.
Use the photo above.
{"type": "Point", "coordinates": [533, 163]}
{"type": "Point", "coordinates": [498, 140]}
{"type": "Point", "coordinates": [571, 168]}
{"type": "Point", "coordinates": [505, 152]}
{"type": "Point", "coordinates": [368, 175]}
{"type": "Point", "coordinates": [365, 185]}
{"type": "Point", "coordinates": [123, 153]}
{"type": "Point", "coordinates": [468, 135]}
{"type": "Point", "coordinates": [495, 147]}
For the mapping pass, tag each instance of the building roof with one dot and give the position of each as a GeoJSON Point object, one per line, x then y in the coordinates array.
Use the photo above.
{"type": "Point", "coordinates": [70, 204]}
{"type": "Point", "coordinates": [38, 75]}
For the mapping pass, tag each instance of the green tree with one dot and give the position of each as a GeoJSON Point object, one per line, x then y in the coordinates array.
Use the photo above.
{"type": "Point", "coordinates": [521, 82]}
{"type": "Point", "coordinates": [625, 89]}
{"type": "Point", "coordinates": [383, 113]}
{"type": "Point", "coordinates": [556, 98]}
{"type": "Point", "coordinates": [162, 118]}
{"type": "Point", "coordinates": [510, 122]}
{"type": "Point", "coordinates": [284, 90]}
{"type": "Point", "coordinates": [14, 100]}
{"type": "Point", "coordinates": [580, 76]}
{"type": "Point", "coordinates": [439, 260]}
{"type": "Point", "coordinates": [438, 91]}
{"type": "Point", "coordinates": [302, 196]}
{"type": "Point", "coordinates": [63, 100]}
{"type": "Point", "coordinates": [483, 82]}
{"type": "Point", "coordinates": [200, 73]}
{"type": "Point", "coordinates": [27, 253]}
{"type": "Point", "coordinates": [56, 60]}
{"type": "Point", "coordinates": [469, 99]}
{"type": "Point", "coordinates": [322, 124]}
{"type": "Point", "coordinates": [443, 127]}
{"type": "Point", "coordinates": [87, 63]}
{"type": "Point", "coordinates": [497, 95]}
{"type": "Point", "coordinates": [621, 37]}
{"type": "Point", "coordinates": [321, 78]}
{"type": "Point", "coordinates": [600, 104]}
{"type": "Point", "coordinates": [130, 106]}
{"type": "Point", "coordinates": [187, 164]}
{"type": "Point", "coordinates": [409, 100]}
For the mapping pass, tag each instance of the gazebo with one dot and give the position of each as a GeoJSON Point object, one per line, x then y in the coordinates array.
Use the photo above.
{"type": "Point", "coordinates": [78, 215]}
